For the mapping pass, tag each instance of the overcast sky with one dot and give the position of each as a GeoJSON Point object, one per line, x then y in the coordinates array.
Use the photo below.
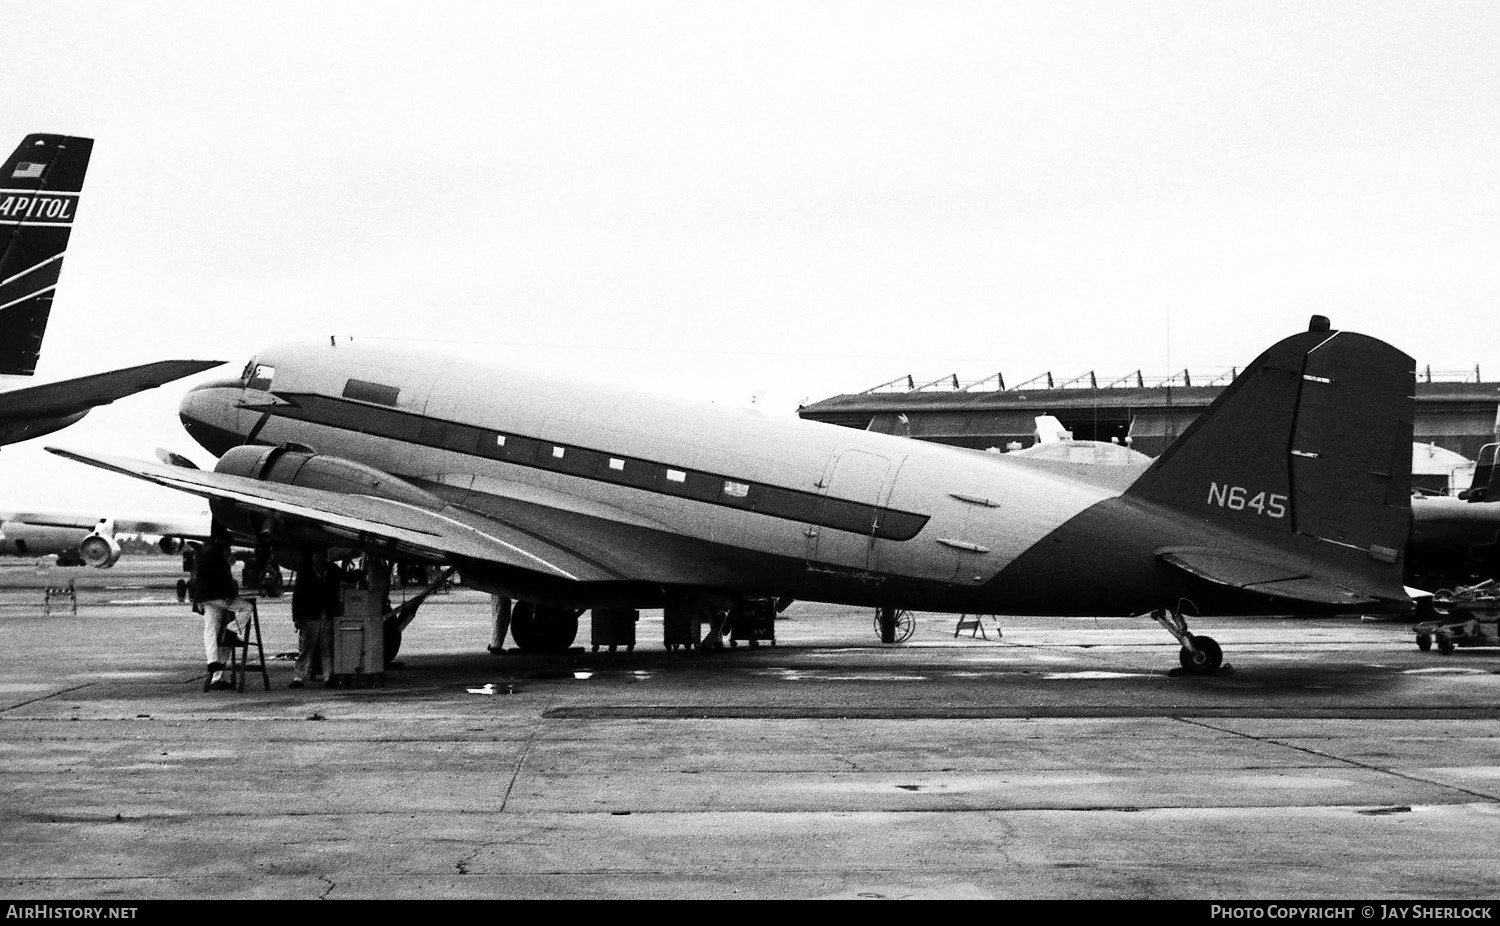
{"type": "Point", "coordinates": [720, 199]}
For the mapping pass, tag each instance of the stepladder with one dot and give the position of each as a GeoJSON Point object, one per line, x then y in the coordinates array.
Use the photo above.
{"type": "Point", "coordinates": [241, 662]}
{"type": "Point", "coordinates": [974, 624]}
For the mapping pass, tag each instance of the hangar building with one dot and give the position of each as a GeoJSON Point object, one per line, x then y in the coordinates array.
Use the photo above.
{"type": "Point", "coordinates": [1455, 411]}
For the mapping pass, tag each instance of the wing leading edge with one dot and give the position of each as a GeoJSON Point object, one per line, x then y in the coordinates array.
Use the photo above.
{"type": "Point", "coordinates": [440, 534]}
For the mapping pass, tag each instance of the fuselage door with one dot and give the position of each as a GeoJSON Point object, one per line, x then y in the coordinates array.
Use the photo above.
{"type": "Point", "coordinates": [847, 512]}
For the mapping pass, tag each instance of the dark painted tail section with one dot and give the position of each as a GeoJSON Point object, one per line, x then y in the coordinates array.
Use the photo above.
{"type": "Point", "coordinates": [1485, 487]}
{"type": "Point", "coordinates": [39, 187]}
{"type": "Point", "coordinates": [1308, 450]}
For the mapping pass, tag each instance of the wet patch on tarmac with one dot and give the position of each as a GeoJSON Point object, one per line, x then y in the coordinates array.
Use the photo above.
{"type": "Point", "coordinates": [824, 675]}
{"type": "Point", "coordinates": [508, 684]}
{"type": "Point", "coordinates": [491, 688]}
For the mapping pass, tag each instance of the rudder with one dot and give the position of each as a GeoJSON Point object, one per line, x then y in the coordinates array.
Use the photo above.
{"type": "Point", "coordinates": [39, 189]}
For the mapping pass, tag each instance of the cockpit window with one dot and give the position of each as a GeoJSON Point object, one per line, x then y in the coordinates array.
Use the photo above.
{"type": "Point", "coordinates": [260, 377]}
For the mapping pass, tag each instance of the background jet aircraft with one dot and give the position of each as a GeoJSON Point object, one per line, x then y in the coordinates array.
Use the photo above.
{"type": "Point", "coordinates": [39, 192]}
{"type": "Point", "coordinates": [1456, 541]}
{"type": "Point", "coordinates": [1292, 492]}
{"type": "Point", "coordinates": [90, 539]}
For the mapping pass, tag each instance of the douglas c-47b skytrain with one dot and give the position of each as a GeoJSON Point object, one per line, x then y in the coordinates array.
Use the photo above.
{"type": "Point", "coordinates": [1290, 494]}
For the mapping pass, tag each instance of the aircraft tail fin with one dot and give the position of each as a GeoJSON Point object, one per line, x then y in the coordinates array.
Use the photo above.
{"type": "Point", "coordinates": [1049, 430]}
{"type": "Point", "coordinates": [1309, 451]}
{"type": "Point", "coordinates": [1485, 487]}
{"type": "Point", "coordinates": [39, 187]}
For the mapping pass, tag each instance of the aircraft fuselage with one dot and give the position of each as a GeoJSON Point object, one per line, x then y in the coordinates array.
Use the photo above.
{"type": "Point", "coordinates": [779, 504]}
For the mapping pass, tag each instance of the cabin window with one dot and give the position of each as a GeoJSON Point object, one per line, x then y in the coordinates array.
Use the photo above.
{"type": "Point", "coordinates": [499, 440]}
{"type": "Point", "coordinates": [616, 464]}
{"type": "Point", "coordinates": [676, 475]}
{"type": "Point", "coordinates": [736, 489]}
{"type": "Point", "coordinates": [557, 452]}
{"type": "Point", "coordinates": [260, 377]}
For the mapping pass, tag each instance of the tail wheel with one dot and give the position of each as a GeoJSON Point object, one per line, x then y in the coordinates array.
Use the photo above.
{"type": "Point", "coordinates": [1203, 658]}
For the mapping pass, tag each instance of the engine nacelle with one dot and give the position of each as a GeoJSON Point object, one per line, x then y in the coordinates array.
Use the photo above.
{"type": "Point", "coordinates": [170, 545]}
{"type": "Point", "coordinates": [99, 550]}
{"type": "Point", "coordinates": [296, 465]}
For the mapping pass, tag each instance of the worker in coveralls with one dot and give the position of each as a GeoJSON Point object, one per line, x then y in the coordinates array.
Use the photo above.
{"type": "Point", "coordinates": [316, 602]}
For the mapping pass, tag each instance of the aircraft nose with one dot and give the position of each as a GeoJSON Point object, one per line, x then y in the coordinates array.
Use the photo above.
{"type": "Point", "coordinates": [191, 408]}
{"type": "Point", "coordinates": [209, 413]}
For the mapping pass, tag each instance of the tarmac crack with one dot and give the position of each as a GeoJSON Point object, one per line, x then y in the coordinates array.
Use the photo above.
{"type": "Point", "coordinates": [1352, 763]}
{"type": "Point", "coordinates": [526, 748]}
{"type": "Point", "coordinates": [46, 697]}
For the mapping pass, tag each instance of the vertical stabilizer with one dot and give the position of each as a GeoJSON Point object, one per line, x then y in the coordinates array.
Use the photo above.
{"type": "Point", "coordinates": [1308, 450]}
{"type": "Point", "coordinates": [39, 187]}
{"type": "Point", "coordinates": [1485, 487]}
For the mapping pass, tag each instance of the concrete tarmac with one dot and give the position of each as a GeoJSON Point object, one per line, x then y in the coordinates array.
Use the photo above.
{"type": "Point", "coordinates": [1052, 758]}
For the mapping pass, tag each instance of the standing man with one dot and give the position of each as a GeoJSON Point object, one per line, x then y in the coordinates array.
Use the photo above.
{"type": "Point", "coordinates": [500, 614]}
{"type": "Point", "coordinates": [315, 603]}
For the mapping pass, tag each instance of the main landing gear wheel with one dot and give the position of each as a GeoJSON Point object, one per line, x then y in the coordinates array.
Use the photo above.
{"type": "Point", "coordinates": [272, 583]}
{"type": "Point", "coordinates": [543, 629]}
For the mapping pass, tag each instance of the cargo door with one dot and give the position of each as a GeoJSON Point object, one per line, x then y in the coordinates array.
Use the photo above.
{"type": "Point", "coordinates": [847, 512]}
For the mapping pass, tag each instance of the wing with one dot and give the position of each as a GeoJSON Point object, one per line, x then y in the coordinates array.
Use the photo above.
{"type": "Point", "coordinates": [449, 534]}
{"type": "Point", "coordinates": [70, 396]}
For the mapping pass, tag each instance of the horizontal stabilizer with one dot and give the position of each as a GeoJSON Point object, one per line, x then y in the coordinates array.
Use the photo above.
{"type": "Point", "coordinates": [71, 396]}
{"type": "Point", "coordinates": [1279, 579]}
